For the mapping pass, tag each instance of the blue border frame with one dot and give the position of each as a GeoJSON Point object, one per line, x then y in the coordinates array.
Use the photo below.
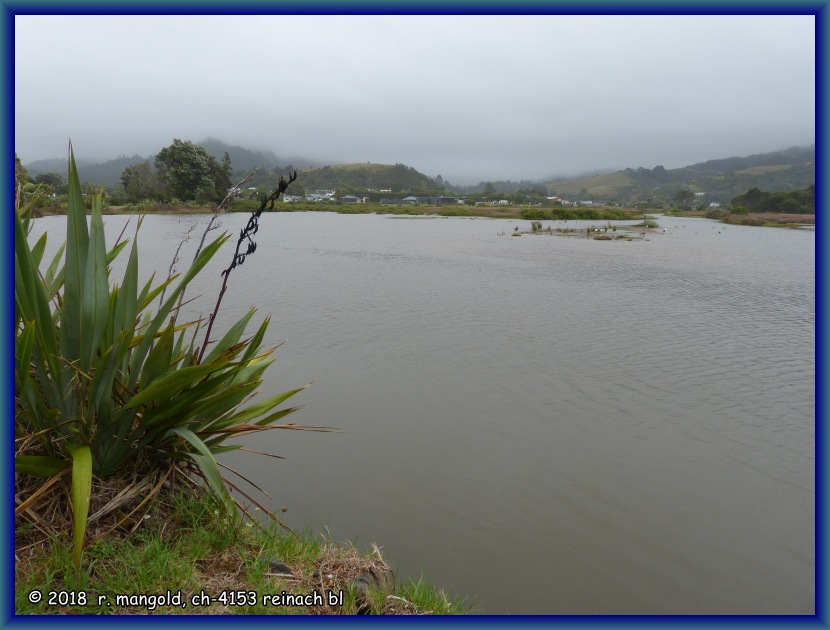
{"type": "Point", "coordinates": [9, 8]}
{"type": "Point", "coordinates": [822, 28]}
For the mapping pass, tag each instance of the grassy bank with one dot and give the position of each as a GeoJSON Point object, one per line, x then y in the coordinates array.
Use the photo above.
{"type": "Point", "coordinates": [182, 547]}
{"type": "Point", "coordinates": [758, 219]}
{"type": "Point", "coordinates": [769, 219]}
{"type": "Point", "coordinates": [455, 210]}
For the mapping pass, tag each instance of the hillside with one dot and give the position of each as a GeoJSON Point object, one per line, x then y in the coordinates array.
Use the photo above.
{"type": "Point", "coordinates": [397, 178]}
{"type": "Point", "coordinates": [108, 174]}
{"type": "Point", "coordinates": [719, 180]}
{"type": "Point", "coordinates": [245, 160]}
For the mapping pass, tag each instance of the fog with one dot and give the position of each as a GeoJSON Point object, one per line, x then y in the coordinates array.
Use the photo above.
{"type": "Point", "coordinates": [469, 98]}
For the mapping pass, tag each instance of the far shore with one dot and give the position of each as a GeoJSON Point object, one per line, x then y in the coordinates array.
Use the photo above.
{"type": "Point", "coordinates": [480, 211]}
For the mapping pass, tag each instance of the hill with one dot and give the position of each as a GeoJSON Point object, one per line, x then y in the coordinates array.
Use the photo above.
{"type": "Point", "coordinates": [717, 181]}
{"type": "Point", "coordinates": [245, 160]}
{"type": "Point", "coordinates": [344, 178]}
{"type": "Point", "coordinates": [108, 174]}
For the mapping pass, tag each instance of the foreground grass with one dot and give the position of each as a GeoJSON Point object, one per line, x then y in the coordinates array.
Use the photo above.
{"type": "Point", "coordinates": [212, 567]}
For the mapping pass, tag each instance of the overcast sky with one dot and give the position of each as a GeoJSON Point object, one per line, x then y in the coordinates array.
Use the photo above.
{"type": "Point", "coordinates": [472, 98]}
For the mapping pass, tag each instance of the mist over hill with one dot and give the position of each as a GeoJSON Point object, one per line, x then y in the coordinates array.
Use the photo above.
{"type": "Point", "coordinates": [713, 181]}
{"type": "Point", "coordinates": [108, 174]}
{"type": "Point", "coordinates": [243, 159]}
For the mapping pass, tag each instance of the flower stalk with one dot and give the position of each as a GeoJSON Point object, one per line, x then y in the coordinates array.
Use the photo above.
{"type": "Point", "coordinates": [245, 235]}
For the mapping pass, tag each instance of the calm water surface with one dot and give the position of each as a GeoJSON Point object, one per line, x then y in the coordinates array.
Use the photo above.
{"type": "Point", "coordinates": [541, 424]}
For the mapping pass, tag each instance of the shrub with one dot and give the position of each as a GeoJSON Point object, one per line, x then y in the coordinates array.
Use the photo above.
{"type": "Point", "coordinates": [105, 387]}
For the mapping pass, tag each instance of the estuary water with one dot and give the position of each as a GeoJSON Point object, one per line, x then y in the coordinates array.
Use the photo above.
{"type": "Point", "coordinates": [539, 424]}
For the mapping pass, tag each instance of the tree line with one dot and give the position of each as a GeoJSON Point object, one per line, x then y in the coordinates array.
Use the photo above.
{"type": "Point", "coordinates": [183, 171]}
{"type": "Point", "coordinates": [793, 202]}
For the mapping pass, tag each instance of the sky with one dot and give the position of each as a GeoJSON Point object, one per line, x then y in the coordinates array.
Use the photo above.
{"type": "Point", "coordinates": [470, 98]}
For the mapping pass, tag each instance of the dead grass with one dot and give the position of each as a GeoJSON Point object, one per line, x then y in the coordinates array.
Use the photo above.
{"type": "Point", "coordinates": [799, 219]}
{"type": "Point", "coordinates": [770, 219]}
{"type": "Point", "coordinates": [184, 546]}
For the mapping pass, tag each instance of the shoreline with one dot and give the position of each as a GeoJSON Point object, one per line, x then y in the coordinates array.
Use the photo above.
{"type": "Point", "coordinates": [800, 221]}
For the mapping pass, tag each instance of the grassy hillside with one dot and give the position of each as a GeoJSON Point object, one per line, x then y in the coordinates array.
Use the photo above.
{"type": "Point", "coordinates": [719, 180]}
{"type": "Point", "coordinates": [398, 178]}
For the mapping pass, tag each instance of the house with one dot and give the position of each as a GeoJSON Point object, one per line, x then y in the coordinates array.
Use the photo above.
{"type": "Point", "coordinates": [350, 199]}
{"type": "Point", "coordinates": [429, 201]}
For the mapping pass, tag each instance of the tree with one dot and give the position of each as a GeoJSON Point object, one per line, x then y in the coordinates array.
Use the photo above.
{"type": "Point", "coordinates": [752, 199]}
{"type": "Point", "coordinates": [140, 181]}
{"type": "Point", "coordinates": [21, 176]}
{"type": "Point", "coordinates": [190, 172]}
{"type": "Point", "coordinates": [54, 181]}
{"type": "Point", "coordinates": [489, 189]}
{"type": "Point", "coordinates": [222, 175]}
{"type": "Point", "coordinates": [684, 198]}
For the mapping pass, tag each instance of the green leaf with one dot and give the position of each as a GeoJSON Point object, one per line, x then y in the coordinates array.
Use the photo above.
{"type": "Point", "coordinates": [101, 389]}
{"type": "Point", "coordinates": [24, 343]}
{"type": "Point", "coordinates": [231, 337]}
{"type": "Point", "coordinates": [77, 247]}
{"type": "Point", "coordinates": [254, 368]}
{"type": "Point", "coordinates": [165, 386]}
{"type": "Point", "coordinates": [125, 307]}
{"type": "Point", "coordinates": [256, 340]}
{"type": "Point", "coordinates": [206, 462]}
{"type": "Point", "coordinates": [39, 465]}
{"type": "Point", "coordinates": [159, 360]}
{"type": "Point", "coordinates": [200, 401]}
{"type": "Point", "coordinates": [204, 257]}
{"type": "Point", "coordinates": [95, 291]}
{"type": "Point", "coordinates": [38, 249]}
{"type": "Point", "coordinates": [54, 278]}
{"type": "Point", "coordinates": [81, 489]}
{"type": "Point", "coordinates": [219, 435]}
{"type": "Point", "coordinates": [32, 304]}
{"type": "Point", "coordinates": [256, 410]}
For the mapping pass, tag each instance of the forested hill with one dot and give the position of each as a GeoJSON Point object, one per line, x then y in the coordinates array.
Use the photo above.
{"type": "Point", "coordinates": [717, 180]}
{"type": "Point", "coordinates": [396, 178]}
{"type": "Point", "coordinates": [714, 181]}
{"type": "Point", "coordinates": [106, 174]}
{"type": "Point", "coordinates": [245, 160]}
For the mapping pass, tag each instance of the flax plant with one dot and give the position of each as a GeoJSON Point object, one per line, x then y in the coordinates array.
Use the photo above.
{"type": "Point", "coordinates": [107, 388]}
